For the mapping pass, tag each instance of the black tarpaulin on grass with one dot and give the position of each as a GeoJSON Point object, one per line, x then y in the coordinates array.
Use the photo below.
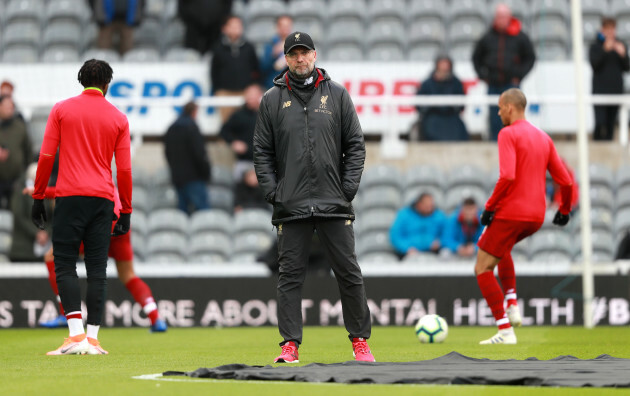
{"type": "Point", "coordinates": [454, 368]}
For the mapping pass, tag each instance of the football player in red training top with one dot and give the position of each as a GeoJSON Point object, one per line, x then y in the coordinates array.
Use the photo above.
{"type": "Point", "coordinates": [516, 208]}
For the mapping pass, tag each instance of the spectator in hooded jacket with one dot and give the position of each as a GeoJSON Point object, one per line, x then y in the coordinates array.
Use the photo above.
{"type": "Point", "coordinates": [462, 230]}
{"type": "Point", "coordinates": [234, 64]}
{"type": "Point", "coordinates": [188, 161]}
{"type": "Point", "coordinates": [272, 62]}
{"type": "Point", "coordinates": [117, 17]}
{"type": "Point", "coordinates": [418, 227]}
{"type": "Point", "coordinates": [442, 122]}
{"type": "Point", "coordinates": [15, 149]}
{"type": "Point", "coordinates": [203, 19]}
{"type": "Point", "coordinates": [502, 58]}
{"type": "Point", "coordinates": [609, 58]}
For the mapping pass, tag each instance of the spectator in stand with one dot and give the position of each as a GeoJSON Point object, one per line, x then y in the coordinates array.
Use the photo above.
{"type": "Point", "coordinates": [502, 58]}
{"type": "Point", "coordinates": [15, 149]}
{"type": "Point", "coordinates": [28, 243]}
{"type": "Point", "coordinates": [273, 62]}
{"type": "Point", "coordinates": [462, 230]}
{"type": "Point", "coordinates": [188, 161]}
{"type": "Point", "coordinates": [442, 122]}
{"type": "Point", "coordinates": [248, 194]}
{"type": "Point", "coordinates": [203, 19]}
{"type": "Point", "coordinates": [234, 64]}
{"type": "Point", "coordinates": [117, 17]}
{"type": "Point", "coordinates": [609, 58]}
{"type": "Point", "coordinates": [6, 89]}
{"type": "Point", "coordinates": [238, 131]}
{"type": "Point", "coordinates": [418, 227]}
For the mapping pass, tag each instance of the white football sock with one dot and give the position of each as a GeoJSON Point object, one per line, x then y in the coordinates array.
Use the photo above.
{"type": "Point", "coordinates": [75, 326]}
{"type": "Point", "coordinates": [92, 331]}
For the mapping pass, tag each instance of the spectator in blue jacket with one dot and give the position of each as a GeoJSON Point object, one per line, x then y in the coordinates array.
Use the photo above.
{"type": "Point", "coordinates": [418, 227]}
{"type": "Point", "coordinates": [463, 229]}
{"type": "Point", "coordinates": [273, 62]}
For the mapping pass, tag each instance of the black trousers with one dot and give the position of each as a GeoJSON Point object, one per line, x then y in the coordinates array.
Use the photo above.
{"type": "Point", "coordinates": [89, 220]}
{"type": "Point", "coordinates": [337, 238]}
{"type": "Point", "coordinates": [605, 120]}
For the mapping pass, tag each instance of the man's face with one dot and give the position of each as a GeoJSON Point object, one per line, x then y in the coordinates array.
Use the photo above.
{"type": "Point", "coordinates": [284, 27]}
{"type": "Point", "coordinates": [502, 18]}
{"type": "Point", "coordinates": [301, 61]}
{"type": "Point", "coordinates": [253, 96]}
{"type": "Point", "coordinates": [425, 206]}
{"type": "Point", "coordinates": [233, 29]}
{"type": "Point", "coordinates": [442, 70]}
{"type": "Point", "coordinates": [505, 111]}
{"type": "Point", "coordinates": [469, 212]}
{"type": "Point", "coordinates": [7, 109]}
{"type": "Point", "coordinates": [609, 31]}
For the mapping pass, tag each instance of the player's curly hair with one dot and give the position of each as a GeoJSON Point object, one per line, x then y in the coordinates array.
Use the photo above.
{"type": "Point", "coordinates": [95, 73]}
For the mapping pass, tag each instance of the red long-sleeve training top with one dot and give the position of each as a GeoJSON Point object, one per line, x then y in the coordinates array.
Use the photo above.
{"type": "Point", "coordinates": [88, 130]}
{"type": "Point", "coordinates": [525, 155]}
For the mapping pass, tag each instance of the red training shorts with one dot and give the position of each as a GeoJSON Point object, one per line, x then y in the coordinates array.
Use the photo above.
{"type": "Point", "coordinates": [120, 248]}
{"type": "Point", "coordinates": [501, 235]}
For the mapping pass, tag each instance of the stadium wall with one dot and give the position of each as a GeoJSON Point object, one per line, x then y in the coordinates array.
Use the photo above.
{"type": "Point", "coordinates": [398, 301]}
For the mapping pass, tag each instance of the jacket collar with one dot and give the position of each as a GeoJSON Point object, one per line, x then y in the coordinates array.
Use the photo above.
{"type": "Point", "coordinates": [284, 78]}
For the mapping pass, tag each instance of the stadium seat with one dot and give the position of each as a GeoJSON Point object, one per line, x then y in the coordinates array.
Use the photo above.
{"type": "Point", "coordinates": [20, 54]}
{"type": "Point", "coordinates": [378, 258]}
{"type": "Point", "coordinates": [622, 200]}
{"type": "Point", "coordinates": [165, 258]}
{"type": "Point", "coordinates": [253, 220]}
{"type": "Point", "coordinates": [221, 198]}
{"type": "Point", "coordinates": [551, 50]}
{"type": "Point", "coordinates": [623, 28]}
{"type": "Point", "coordinates": [168, 220]}
{"type": "Point", "coordinates": [265, 10]}
{"type": "Point", "coordinates": [622, 177]}
{"type": "Point", "coordinates": [421, 258]}
{"type": "Point", "coordinates": [142, 55]}
{"type": "Point", "coordinates": [141, 177]}
{"type": "Point", "coordinates": [222, 176]}
{"type": "Point", "coordinates": [211, 243]}
{"type": "Point", "coordinates": [346, 32]}
{"type": "Point", "coordinates": [374, 242]}
{"type": "Point", "coordinates": [37, 126]}
{"type": "Point", "coordinates": [466, 31]}
{"type": "Point", "coordinates": [204, 258]}
{"type": "Point", "coordinates": [388, 197]}
{"type": "Point", "coordinates": [140, 199]}
{"type": "Point", "coordinates": [315, 28]}
{"type": "Point", "coordinates": [108, 55]}
{"type": "Point", "coordinates": [138, 244]}
{"type": "Point", "coordinates": [6, 221]}
{"type": "Point", "coordinates": [469, 11]}
{"type": "Point", "coordinates": [345, 52]}
{"type": "Point", "coordinates": [590, 27]}
{"type": "Point", "coordinates": [461, 52]}
{"type": "Point", "coordinates": [622, 220]}
{"type": "Point", "coordinates": [5, 242]}
{"type": "Point", "coordinates": [90, 35]}
{"type": "Point", "coordinates": [243, 258]}
{"type": "Point", "coordinates": [603, 242]}
{"type": "Point", "coordinates": [167, 243]}
{"type": "Point", "coordinates": [210, 220]}
{"type": "Point", "coordinates": [521, 251]}
{"type": "Point", "coordinates": [388, 33]}
{"type": "Point", "coordinates": [21, 33]}
{"type": "Point", "coordinates": [381, 175]}
{"type": "Point", "coordinates": [602, 197]}
{"type": "Point", "coordinates": [181, 55]}
{"type": "Point", "coordinates": [139, 222]}
{"type": "Point", "coordinates": [161, 178]}
{"type": "Point", "coordinates": [20, 10]}
{"type": "Point", "coordinates": [260, 31]}
{"type": "Point", "coordinates": [174, 35]}
{"type": "Point", "coordinates": [420, 11]}
{"type": "Point", "coordinates": [550, 8]}
{"type": "Point", "coordinates": [307, 11]}
{"type": "Point", "coordinates": [60, 55]}
{"type": "Point", "coordinates": [375, 220]}
{"type": "Point", "coordinates": [154, 9]}
{"type": "Point", "coordinates": [601, 219]}
{"type": "Point", "coordinates": [252, 242]}
{"type": "Point", "coordinates": [601, 175]}
{"type": "Point", "coordinates": [425, 52]}
{"type": "Point", "coordinates": [551, 257]}
{"type": "Point", "coordinates": [67, 10]}
{"type": "Point", "coordinates": [466, 175]}
{"type": "Point", "coordinates": [551, 241]}
{"type": "Point", "coordinates": [347, 10]}
{"type": "Point", "coordinates": [147, 35]}
{"type": "Point", "coordinates": [619, 8]}
{"type": "Point", "coordinates": [385, 53]}
{"type": "Point", "coordinates": [598, 8]}
{"type": "Point", "coordinates": [386, 10]}
{"type": "Point", "coordinates": [431, 31]}
{"type": "Point", "coordinates": [421, 175]}
{"type": "Point", "coordinates": [165, 199]}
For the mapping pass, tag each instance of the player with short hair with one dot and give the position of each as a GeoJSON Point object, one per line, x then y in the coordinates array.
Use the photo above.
{"type": "Point", "coordinates": [516, 208]}
{"type": "Point", "coordinates": [88, 131]}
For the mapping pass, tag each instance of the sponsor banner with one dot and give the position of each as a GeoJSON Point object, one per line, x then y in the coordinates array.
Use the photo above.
{"type": "Point", "coordinates": [228, 302]}
{"type": "Point", "coordinates": [44, 84]}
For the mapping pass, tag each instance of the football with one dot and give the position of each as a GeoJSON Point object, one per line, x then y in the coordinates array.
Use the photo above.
{"type": "Point", "coordinates": [431, 329]}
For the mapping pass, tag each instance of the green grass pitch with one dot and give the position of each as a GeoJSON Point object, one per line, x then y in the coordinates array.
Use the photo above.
{"type": "Point", "coordinates": [134, 352]}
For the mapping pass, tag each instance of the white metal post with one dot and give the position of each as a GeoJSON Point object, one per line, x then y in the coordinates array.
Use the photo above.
{"type": "Point", "coordinates": [588, 288]}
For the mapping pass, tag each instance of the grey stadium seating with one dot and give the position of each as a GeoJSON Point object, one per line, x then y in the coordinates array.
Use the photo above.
{"type": "Point", "coordinates": [142, 55]}
{"type": "Point", "coordinates": [211, 220]}
{"type": "Point", "coordinates": [60, 55]}
{"type": "Point", "coordinates": [173, 220]}
{"type": "Point", "coordinates": [165, 199]}
{"type": "Point", "coordinates": [107, 55]}
{"type": "Point", "coordinates": [181, 55]}
{"type": "Point", "coordinates": [374, 242]}
{"type": "Point", "coordinates": [211, 243]}
{"type": "Point", "coordinates": [221, 198]}
{"type": "Point", "coordinates": [20, 54]}
{"type": "Point", "coordinates": [19, 10]}
{"type": "Point", "coordinates": [167, 243]}
{"type": "Point", "coordinates": [253, 220]}
{"type": "Point", "coordinates": [5, 243]}
{"type": "Point", "coordinates": [6, 221]}
{"type": "Point", "coordinates": [381, 175]}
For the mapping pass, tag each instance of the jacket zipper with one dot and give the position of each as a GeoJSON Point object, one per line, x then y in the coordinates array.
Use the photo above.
{"type": "Point", "coordinates": [308, 146]}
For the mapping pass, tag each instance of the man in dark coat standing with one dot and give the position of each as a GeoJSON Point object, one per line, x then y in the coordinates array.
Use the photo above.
{"type": "Point", "coordinates": [502, 58]}
{"type": "Point", "coordinates": [309, 154]}
{"type": "Point", "coordinates": [188, 160]}
{"type": "Point", "coordinates": [609, 59]}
